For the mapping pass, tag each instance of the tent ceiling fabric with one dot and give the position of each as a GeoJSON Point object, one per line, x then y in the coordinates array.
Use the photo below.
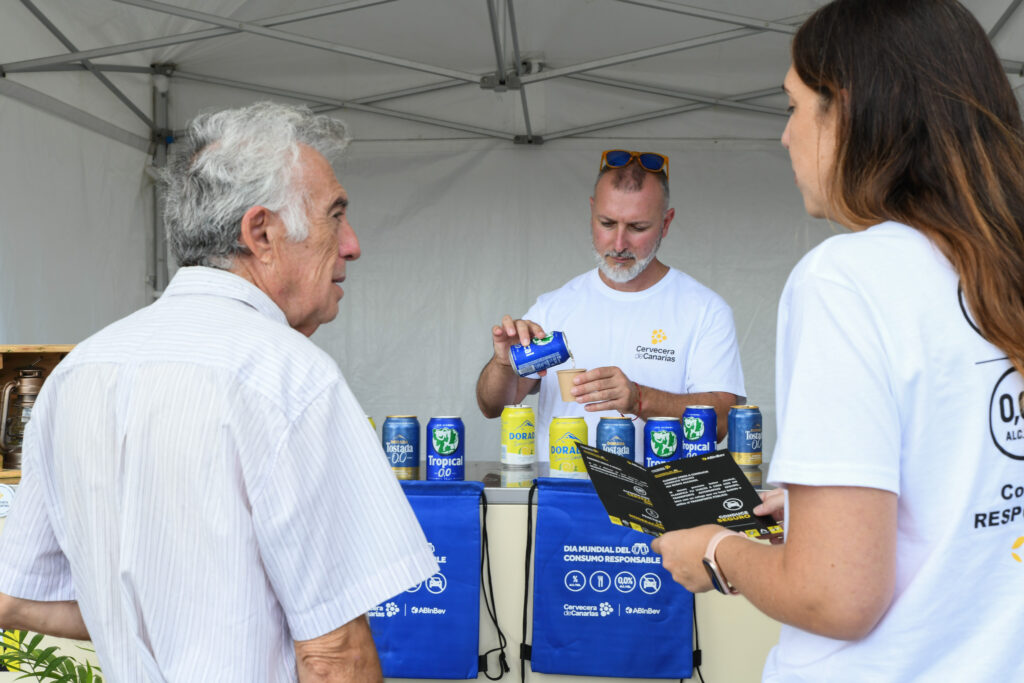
{"type": "Point", "coordinates": [514, 70]}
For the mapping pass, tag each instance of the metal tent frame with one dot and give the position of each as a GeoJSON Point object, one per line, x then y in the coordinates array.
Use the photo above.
{"type": "Point", "coordinates": [516, 74]}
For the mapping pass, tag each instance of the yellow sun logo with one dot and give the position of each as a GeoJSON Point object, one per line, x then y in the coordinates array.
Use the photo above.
{"type": "Point", "coordinates": [1017, 544]}
{"type": "Point", "coordinates": [658, 336]}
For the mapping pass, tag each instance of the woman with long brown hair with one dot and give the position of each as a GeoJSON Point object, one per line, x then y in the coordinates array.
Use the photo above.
{"type": "Point", "coordinates": [899, 359]}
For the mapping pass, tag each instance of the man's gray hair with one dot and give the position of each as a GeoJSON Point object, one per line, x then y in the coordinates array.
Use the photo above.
{"type": "Point", "coordinates": [230, 161]}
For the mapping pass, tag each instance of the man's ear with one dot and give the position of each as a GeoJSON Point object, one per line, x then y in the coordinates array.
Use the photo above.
{"type": "Point", "coordinates": [255, 232]}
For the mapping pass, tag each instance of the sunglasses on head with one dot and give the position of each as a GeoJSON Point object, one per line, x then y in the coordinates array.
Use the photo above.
{"type": "Point", "coordinates": [649, 161]}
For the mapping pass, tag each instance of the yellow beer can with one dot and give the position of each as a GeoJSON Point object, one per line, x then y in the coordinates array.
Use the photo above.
{"type": "Point", "coordinates": [517, 435]}
{"type": "Point", "coordinates": [562, 451]}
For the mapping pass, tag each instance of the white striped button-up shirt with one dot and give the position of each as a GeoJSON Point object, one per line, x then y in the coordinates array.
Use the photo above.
{"type": "Point", "coordinates": [201, 479]}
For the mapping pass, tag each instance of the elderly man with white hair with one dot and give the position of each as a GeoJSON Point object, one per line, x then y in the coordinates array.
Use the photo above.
{"type": "Point", "coordinates": [202, 494]}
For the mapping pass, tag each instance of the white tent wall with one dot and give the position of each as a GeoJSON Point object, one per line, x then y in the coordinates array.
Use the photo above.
{"type": "Point", "coordinates": [74, 216]}
{"type": "Point", "coordinates": [456, 228]}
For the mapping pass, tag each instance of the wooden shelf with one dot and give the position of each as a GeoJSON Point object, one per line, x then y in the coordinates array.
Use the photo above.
{"type": "Point", "coordinates": [14, 357]}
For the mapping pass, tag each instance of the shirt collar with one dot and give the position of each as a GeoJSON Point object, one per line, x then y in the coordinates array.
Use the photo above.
{"type": "Point", "coordinates": [193, 280]}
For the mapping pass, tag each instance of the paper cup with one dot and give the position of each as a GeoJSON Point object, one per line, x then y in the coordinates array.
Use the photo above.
{"type": "Point", "coordinates": [565, 378]}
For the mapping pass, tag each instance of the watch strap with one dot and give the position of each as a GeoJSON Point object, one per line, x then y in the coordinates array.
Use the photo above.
{"type": "Point", "coordinates": [709, 555]}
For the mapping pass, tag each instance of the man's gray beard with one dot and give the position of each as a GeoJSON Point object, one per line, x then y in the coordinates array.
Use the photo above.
{"type": "Point", "coordinates": [622, 275]}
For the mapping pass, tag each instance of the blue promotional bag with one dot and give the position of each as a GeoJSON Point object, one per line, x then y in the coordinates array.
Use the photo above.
{"type": "Point", "coordinates": [602, 605]}
{"type": "Point", "coordinates": [432, 630]}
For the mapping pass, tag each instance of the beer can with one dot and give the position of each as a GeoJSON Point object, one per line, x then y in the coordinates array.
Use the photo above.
{"type": "Point", "coordinates": [745, 434]}
{"type": "Point", "coordinates": [541, 354]}
{"type": "Point", "coordinates": [372, 423]}
{"type": "Point", "coordinates": [446, 449]}
{"type": "Point", "coordinates": [518, 476]}
{"type": "Point", "coordinates": [663, 440]}
{"type": "Point", "coordinates": [517, 435]}
{"type": "Point", "coordinates": [700, 430]}
{"type": "Point", "coordinates": [565, 457]}
{"type": "Point", "coordinates": [753, 474]}
{"type": "Point", "coordinates": [400, 437]}
{"type": "Point", "coordinates": [616, 435]}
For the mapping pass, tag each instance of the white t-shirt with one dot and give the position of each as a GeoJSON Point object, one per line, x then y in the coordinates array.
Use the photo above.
{"type": "Point", "coordinates": [676, 336]}
{"type": "Point", "coordinates": [883, 382]}
{"type": "Point", "coordinates": [201, 479]}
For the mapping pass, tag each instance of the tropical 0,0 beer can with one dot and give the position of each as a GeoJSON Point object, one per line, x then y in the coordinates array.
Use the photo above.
{"type": "Point", "coordinates": [446, 449]}
{"type": "Point", "coordinates": [565, 457]}
{"type": "Point", "coordinates": [540, 355]}
{"type": "Point", "coordinates": [663, 440]}
{"type": "Point", "coordinates": [745, 434]}
{"type": "Point", "coordinates": [517, 435]}
{"type": "Point", "coordinates": [700, 430]}
{"type": "Point", "coordinates": [616, 435]}
{"type": "Point", "coordinates": [400, 436]}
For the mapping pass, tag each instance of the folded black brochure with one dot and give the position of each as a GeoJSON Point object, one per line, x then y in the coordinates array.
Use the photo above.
{"type": "Point", "coordinates": [680, 494]}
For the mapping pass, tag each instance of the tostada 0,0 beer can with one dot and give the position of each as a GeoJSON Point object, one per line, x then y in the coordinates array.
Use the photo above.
{"type": "Point", "coordinates": [400, 436]}
{"type": "Point", "coordinates": [446, 449]}
{"type": "Point", "coordinates": [700, 430]}
{"type": "Point", "coordinates": [745, 434]}
{"type": "Point", "coordinates": [566, 461]}
{"type": "Point", "coordinates": [517, 435]}
{"type": "Point", "coordinates": [616, 435]}
{"type": "Point", "coordinates": [540, 355]}
{"type": "Point", "coordinates": [663, 440]}
{"type": "Point", "coordinates": [753, 475]}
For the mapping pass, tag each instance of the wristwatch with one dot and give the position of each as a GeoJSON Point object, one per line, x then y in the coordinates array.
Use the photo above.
{"type": "Point", "coordinates": [718, 579]}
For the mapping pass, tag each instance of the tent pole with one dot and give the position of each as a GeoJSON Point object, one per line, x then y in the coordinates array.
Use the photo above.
{"type": "Point", "coordinates": [347, 104]}
{"type": "Point", "coordinates": [530, 139]}
{"type": "Point", "coordinates": [162, 138]}
{"type": "Point", "coordinates": [52, 28]}
{"type": "Point", "coordinates": [256, 29]}
{"type": "Point", "coordinates": [1003, 19]}
{"type": "Point", "coordinates": [180, 38]}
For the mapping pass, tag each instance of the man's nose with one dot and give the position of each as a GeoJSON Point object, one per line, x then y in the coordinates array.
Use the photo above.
{"type": "Point", "coordinates": [620, 239]}
{"type": "Point", "coordinates": [348, 243]}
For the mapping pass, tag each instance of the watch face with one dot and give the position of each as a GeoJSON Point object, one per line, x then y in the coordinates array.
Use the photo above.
{"type": "Point", "coordinates": [715, 579]}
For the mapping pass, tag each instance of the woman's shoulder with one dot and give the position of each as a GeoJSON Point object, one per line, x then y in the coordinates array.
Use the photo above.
{"type": "Point", "coordinates": [888, 249]}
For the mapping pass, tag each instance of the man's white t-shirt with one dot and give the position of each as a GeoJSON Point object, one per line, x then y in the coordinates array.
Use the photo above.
{"type": "Point", "coordinates": [883, 381]}
{"type": "Point", "coordinates": [676, 335]}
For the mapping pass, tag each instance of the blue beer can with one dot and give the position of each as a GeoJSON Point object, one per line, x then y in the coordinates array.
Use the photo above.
{"type": "Point", "coordinates": [745, 434]}
{"type": "Point", "coordinates": [540, 355]}
{"type": "Point", "coordinates": [446, 449]}
{"type": "Point", "coordinates": [700, 430]}
{"type": "Point", "coordinates": [616, 435]}
{"type": "Point", "coordinates": [663, 440]}
{"type": "Point", "coordinates": [400, 436]}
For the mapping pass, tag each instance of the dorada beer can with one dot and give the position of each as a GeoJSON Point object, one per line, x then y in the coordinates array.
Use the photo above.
{"type": "Point", "coordinates": [517, 435]}
{"type": "Point", "coordinates": [663, 440]}
{"type": "Point", "coordinates": [446, 449]}
{"type": "Point", "coordinates": [563, 453]}
{"type": "Point", "coordinates": [745, 434]}
{"type": "Point", "coordinates": [616, 435]}
{"type": "Point", "coordinates": [700, 430]}
{"type": "Point", "coordinates": [400, 436]}
{"type": "Point", "coordinates": [541, 354]}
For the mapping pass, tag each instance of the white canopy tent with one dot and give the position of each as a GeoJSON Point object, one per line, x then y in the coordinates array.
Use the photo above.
{"type": "Point", "coordinates": [478, 127]}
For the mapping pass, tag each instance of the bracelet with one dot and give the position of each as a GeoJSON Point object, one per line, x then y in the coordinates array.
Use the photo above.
{"type": "Point", "coordinates": [639, 402]}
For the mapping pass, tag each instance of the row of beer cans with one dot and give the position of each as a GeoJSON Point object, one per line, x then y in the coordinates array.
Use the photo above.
{"type": "Point", "coordinates": [665, 439]}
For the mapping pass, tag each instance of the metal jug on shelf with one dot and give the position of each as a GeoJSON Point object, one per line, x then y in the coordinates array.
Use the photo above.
{"type": "Point", "coordinates": [14, 415]}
